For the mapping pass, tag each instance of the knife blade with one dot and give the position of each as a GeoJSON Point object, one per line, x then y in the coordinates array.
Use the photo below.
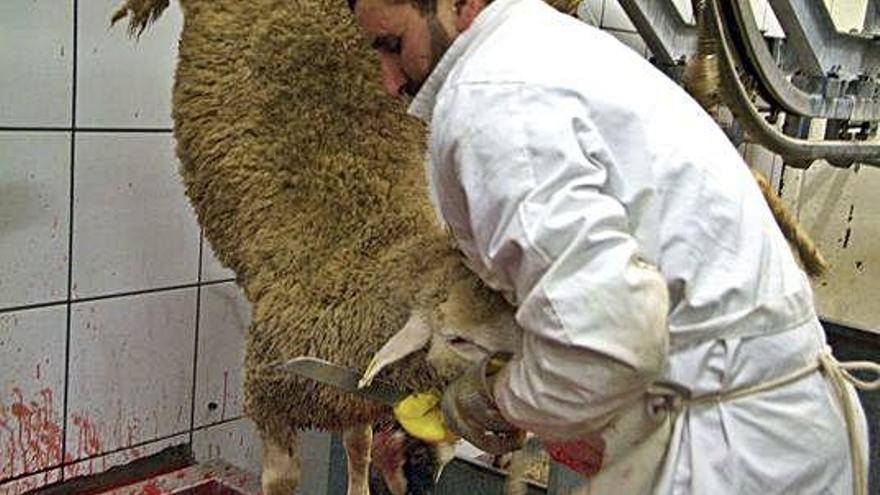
{"type": "Point", "coordinates": [343, 378]}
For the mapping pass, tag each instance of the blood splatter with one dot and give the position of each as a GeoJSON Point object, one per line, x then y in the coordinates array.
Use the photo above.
{"type": "Point", "coordinates": [30, 440]}
{"type": "Point", "coordinates": [88, 439]}
{"type": "Point", "coordinates": [151, 489]}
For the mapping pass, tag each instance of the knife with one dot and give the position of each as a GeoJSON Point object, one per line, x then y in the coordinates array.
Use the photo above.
{"type": "Point", "coordinates": [344, 379]}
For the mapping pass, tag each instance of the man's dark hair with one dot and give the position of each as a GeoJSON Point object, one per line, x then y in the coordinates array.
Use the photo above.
{"type": "Point", "coordinates": [424, 6]}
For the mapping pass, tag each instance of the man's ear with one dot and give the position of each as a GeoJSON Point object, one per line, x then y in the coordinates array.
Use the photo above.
{"type": "Point", "coordinates": [466, 11]}
{"type": "Point", "coordinates": [413, 336]}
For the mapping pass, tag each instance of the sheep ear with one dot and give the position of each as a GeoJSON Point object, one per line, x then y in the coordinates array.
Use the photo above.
{"type": "Point", "coordinates": [413, 336]}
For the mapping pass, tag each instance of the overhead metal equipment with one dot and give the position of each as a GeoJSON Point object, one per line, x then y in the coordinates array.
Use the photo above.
{"type": "Point", "coordinates": [816, 72]}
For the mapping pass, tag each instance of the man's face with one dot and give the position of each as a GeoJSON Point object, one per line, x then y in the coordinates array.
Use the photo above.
{"type": "Point", "coordinates": [409, 42]}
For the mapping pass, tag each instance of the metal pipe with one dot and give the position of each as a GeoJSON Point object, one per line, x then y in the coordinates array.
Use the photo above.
{"type": "Point", "coordinates": [670, 38]}
{"type": "Point", "coordinates": [759, 129]}
{"type": "Point", "coordinates": [783, 92]}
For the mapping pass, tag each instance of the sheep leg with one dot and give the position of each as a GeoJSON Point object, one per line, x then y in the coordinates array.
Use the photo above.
{"type": "Point", "coordinates": [358, 441]}
{"type": "Point", "coordinates": [281, 468]}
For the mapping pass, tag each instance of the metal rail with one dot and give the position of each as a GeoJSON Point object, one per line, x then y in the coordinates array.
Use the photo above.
{"type": "Point", "coordinates": [798, 152]}
{"type": "Point", "coordinates": [668, 36]}
{"type": "Point", "coordinates": [858, 100]}
{"type": "Point", "coordinates": [821, 48]}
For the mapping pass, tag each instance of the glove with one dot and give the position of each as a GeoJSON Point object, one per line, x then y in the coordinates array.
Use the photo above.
{"type": "Point", "coordinates": [466, 410]}
{"type": "Point", "coordinates": [420, 415]}
{"type": "Point", "coordinates": [469, 410]}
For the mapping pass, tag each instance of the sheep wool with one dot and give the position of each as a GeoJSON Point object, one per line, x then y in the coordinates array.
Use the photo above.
{"type": "Point", "coordinates": [309, 183]}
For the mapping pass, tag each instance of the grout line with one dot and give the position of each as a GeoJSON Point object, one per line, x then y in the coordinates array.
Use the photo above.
{"type": "Point", "coordinates": [195, 368]}
{"type": "Point", "coordinates": [22, 476]}
{"type": "Point", "coordinates": [127, 447]}
{"type": "Point", "coordinates": [120, 449]}
{"type": "Point", "coordinates": [141, 292]}
{"type": "Point", "coordinates": [29, 307]}
{"type": "Point", "coordinates": [87, 130]}
{"type": "Point", "coordinates": [149, 130]}
{"type": "Point", "coordinates": [219, 423]}
{"type": "Point", "coordinates": [34, 129]}
{"type": "Point", "coordinates": [119, 295]}
{"type": "Point", "coordinates": [72, 189]}
{"type": "Point", "coordinates": [59, 302]}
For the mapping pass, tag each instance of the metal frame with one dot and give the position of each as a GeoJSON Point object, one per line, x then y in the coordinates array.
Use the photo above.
{"type": "Point", "coordinates": [670, 38]}
{"type": "Point", "coordinates": [872, 19]}
{"type": "Point", "coordinates": [821, 48]}
{"type": "Point", "coordinates": [798, 152]}
{"type": "Point", "coordinates": [833, 99]}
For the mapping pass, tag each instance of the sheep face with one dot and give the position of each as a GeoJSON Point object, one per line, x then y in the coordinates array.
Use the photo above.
{"type": "Point", "coordinates": [470, 324]}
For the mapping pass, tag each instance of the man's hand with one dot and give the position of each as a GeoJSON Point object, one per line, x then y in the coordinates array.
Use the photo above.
{"type": "Point", "coordinates": [470, 411]}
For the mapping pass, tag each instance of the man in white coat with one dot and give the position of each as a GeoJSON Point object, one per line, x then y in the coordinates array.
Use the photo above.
{"type": "Point", "coordinates": [670, 339]}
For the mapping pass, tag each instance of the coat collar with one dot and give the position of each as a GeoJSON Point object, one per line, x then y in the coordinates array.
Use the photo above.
{"type": "Point", "coordinates": [422, 106]}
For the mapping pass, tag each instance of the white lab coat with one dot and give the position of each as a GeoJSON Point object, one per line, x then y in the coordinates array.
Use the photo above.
{"type": "Point", "coordinates": [602, 201]}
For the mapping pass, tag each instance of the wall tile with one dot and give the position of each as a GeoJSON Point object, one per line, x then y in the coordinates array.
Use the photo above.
{"type": "Point", "coordinates": [614, 17]}
{"type": "Point", "coordinates": [838, 208]}
{"type": "Point", "coordinates": [760, 8]}
{"type": "Point", "coordinates": [123, 82]}
{"type": "Point", "coordinates": [236, 442]}
{"type": "Point", "coordinates": [686, 9]}
{"type": "Point", "coordinates": [133, 227]}
{"type": "Point", "coordinates": [100, 464]}
{"type": "Point", "coordinates": [772, 28]}
{"type": "Point", "coordinates": [30, 483]}
{"type": "Point", "coordinates": [34, 217]}
{"type": "Point", "coordinates": [849, 15]}
{"type": "Point", "coordinates": [212, 270]}
{"type": "Point", "coordinates": [765, 161]}
{"type": "Point", "coordinates": [223, 323]}
{"type": "Point", "coordinates": [632, 40]}
{"type": "Point", "coordinates": [131, 363]}
{"type": "Point", "coordinates": [36, 43]}
{"type": "Point", "coordinates": [31, 389]}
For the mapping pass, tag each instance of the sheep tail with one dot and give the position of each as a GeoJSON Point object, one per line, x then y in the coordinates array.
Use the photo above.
{"type": "Point", "coordinates": [141, 13]}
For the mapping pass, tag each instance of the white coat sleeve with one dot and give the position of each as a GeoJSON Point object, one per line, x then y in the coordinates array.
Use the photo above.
{"type": "Point", "coordinates": [529, 172]}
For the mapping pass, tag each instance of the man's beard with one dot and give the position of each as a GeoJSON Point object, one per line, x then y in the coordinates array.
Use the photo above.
{"type": "Point", "coordinates": [440, 42]}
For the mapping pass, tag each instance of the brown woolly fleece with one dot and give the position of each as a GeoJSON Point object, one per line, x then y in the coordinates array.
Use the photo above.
{"type": "Point", "coordinates": [309, 184]}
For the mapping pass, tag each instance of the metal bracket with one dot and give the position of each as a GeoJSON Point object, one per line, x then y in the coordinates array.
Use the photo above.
{"type": "Point", "coordinates": [796, 151]}
{"type": "Point", "coordinates": [821, 48]}
{"type": "Point", "coordinates": [668, 36]}
{"type": "Point", "coordinates": [858, 100]}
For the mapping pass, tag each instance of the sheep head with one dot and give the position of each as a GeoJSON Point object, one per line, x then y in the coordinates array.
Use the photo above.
{"type": "Point", "coordinates": [471, 323]}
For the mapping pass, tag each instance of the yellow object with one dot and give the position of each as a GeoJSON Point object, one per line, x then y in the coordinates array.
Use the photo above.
{"type": "Point", "coordinates": [421, 417]}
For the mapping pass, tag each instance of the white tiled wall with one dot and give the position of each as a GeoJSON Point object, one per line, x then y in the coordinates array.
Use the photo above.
{"type": "Point", "coordinates": [34, 217]}
{"type": "Point", "coordinates": [848, 15]}
{"type": "Point", "coordinates": [147, 337]}
{"type": "Point", "coordinates": [31, 389]}
{"type": "Point", "coordinates": [121, 83]}
{"type": "Point", "coordinates": [235, 441]}
{"type": "Point", "coordinates": [133, 225]}
{"type": "Point", "coordinates": [224, 318]}
{"type": "Point", "coordinates": [36, 57]}
{"type": "Point", "coordinates": [119, 332]}
{"type": "Point", "coordinates": [114, 318]}
{"type": "Point", "coordinates": [212, 270]}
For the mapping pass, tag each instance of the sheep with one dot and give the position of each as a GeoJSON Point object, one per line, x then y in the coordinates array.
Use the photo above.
{"type": "Point", "coordinates": [309, 185]}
